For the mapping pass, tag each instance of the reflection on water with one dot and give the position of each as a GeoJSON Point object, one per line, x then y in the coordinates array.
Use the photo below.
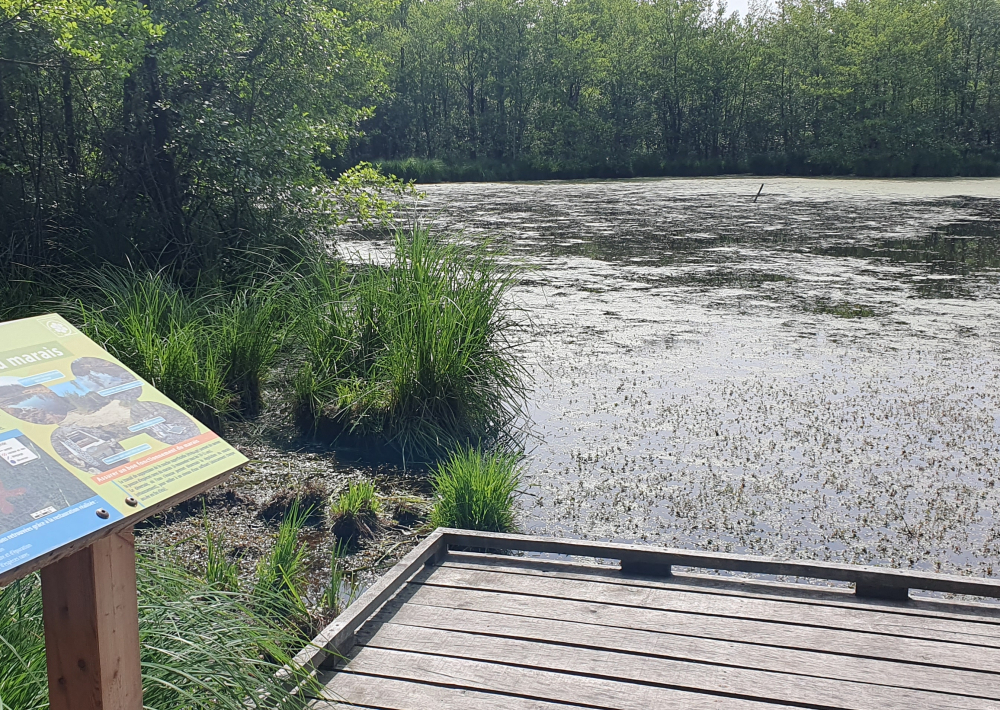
{"type": "Point", "coordinates": [813, 375]}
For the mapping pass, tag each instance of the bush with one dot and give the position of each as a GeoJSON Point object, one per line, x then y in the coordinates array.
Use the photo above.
{"type": "Point", "coordinates": [202, 648]}
{"type": "Point", "coordinates": [355, 512]}
{"type": "Point", "coordinates": [475, 491]}
{"type": "Point", "coordinates": [416, 354]}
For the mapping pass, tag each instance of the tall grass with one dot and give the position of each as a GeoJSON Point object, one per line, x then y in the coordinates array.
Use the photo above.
{"type": "Point", "coordinates": [417, 353]}
{"type": "Point", "coordinates": [277, 591]}
{"type": "Point", "coordinates": [476, 491]}
{"type": "Point", "coordinates": [158, 331]}
{"type": "Point", "coordinates": [201, 648]}
{"type": "Point", "coordinates": [210, 351]}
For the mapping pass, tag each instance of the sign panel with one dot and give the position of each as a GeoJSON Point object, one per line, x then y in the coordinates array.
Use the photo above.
{"type": "Point", "coordinates": [85, 443]}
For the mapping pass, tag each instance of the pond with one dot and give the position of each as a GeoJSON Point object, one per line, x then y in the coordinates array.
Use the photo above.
{"type": "Point", "coordinates": [811, 375]}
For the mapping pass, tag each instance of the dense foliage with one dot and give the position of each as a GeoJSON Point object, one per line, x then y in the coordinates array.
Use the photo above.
{"type": "Point", "coordinates": [178, 131]}
{"type": "Point", "coordinates": [531, 88]}
{"type": "Point", "coordinates": [416, 353]}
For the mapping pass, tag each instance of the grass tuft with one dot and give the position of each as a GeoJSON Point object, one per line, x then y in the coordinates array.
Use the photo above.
{"type": "Point", "coordinates": [476, 491]}
{"type": "Point", "coordinates": [281, 573]}
{"type": "Point", "coordinates": [355, 512]}
{"type": "Point", "coordinates": [416, 354]}
{"type": "Point", "coordinates": [209, 351]}
{"type": "Point", "coordinates": [156, 329]}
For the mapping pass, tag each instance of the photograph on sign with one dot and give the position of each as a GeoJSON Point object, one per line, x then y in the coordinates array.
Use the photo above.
{"type": "Point", "coordinates": [85, 443]}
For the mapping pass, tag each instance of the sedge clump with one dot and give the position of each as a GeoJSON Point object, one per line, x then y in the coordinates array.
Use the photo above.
{"type": "Point", "coordinates": [476, 490]}
{"type": "Point", "coordinates": [355, 513]}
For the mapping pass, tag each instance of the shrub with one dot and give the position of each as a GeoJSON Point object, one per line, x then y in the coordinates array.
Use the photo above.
{"type": "Point", "coordinates": [416, 354]}
{"type": "Point", "coordinates": [475, 491]}
{"type": "Point", "coordinates": [355, 512]}
{"type": "Point", "coordinates": [202, 648]}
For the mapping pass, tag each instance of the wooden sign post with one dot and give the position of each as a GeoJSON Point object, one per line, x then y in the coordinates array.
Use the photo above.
{"type": "Point", "coordinates": [91, 613]}
{"type": "Point", "coordinates": [88, 449]}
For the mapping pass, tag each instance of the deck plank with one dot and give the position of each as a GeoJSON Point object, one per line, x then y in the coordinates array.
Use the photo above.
{"type": "Point", "coordinates": [700, 650]}
{"type": "Point", "coordinates": [347, 690]}
{"type": "Point", "coordinates": [856, 643]}
{"type": "Point", "coordinates": [496, 632]}
{"type": "Point", "coordinates": [664, 672]}
{"type": "Point", "coordinates": [538, 684]}
{"type": "Point", "coordinates": [869, 621]}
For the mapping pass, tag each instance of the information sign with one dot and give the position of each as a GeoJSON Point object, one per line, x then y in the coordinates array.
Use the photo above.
{"type": "Point", "coordinates": [86, 446]}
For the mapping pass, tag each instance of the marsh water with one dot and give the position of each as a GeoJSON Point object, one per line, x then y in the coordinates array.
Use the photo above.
{"type": "Point", "coordinates": [811, 375]}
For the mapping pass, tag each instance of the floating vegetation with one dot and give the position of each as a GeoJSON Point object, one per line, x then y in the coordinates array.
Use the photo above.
{"type": "Point", "coordinates": [744, 422]}
{"type": "Point", "coordinates": [845, 310]}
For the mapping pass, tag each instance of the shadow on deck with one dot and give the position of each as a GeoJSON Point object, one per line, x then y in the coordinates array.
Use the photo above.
{"type": "Point", "coordinates": [453, 630]}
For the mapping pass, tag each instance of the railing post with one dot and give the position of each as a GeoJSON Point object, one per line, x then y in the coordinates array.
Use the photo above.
{"type": "Point", "coordinates": [880, 591]}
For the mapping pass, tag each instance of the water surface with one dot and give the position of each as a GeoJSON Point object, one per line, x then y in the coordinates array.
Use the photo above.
{"type": "Point", "coordinates": [813, 375]}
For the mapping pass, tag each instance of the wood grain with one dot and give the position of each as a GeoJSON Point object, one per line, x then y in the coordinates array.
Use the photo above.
{"type": "Point", "coordinates": [657, 557]}
{"type": "Point", "coordinates": [346, 690]}
{"type": "Point", "coordinates": [91, 617]}
{"type": "Point", "coordinates": [969, 632]}
{"type": "Point", "coordinates": [785, 686]}
{"type": "Point", "coordinates": [853, 643]}
{"type": "Point", "coordinates": [699, 650]}
{"type": "Point", "coordinates": [532, 683]}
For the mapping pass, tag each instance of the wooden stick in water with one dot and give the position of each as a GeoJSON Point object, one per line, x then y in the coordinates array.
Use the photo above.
{"type": "Point", "coordinates": [758, 192]}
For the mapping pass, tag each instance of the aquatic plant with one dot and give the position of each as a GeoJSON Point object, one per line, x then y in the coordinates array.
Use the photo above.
{"type": "Point", "coordinates": [331, 601]}
{"type": "Point", "coordinates": [355, 512]}
{"type": "Point", "coordinates": [845, 310]}
{"type": "Point", "coordinates": [476, 490]}
{"type": "Point", "coordinates": [201, 647]}
{"type": "Point", "coordinates": [208, 350]}
{"type": "Point", "coordinates": [416, 354]}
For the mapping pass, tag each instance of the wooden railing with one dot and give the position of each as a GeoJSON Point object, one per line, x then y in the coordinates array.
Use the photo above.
{"type": "Point", "coordinates": [872, 582]}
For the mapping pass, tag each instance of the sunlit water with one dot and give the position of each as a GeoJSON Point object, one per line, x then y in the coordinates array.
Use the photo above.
{"type": "Point", "coordinates": [697, 384]}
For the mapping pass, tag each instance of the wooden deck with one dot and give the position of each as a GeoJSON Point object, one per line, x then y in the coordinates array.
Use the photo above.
{"type": "Point", "coordinates": [452, 630]}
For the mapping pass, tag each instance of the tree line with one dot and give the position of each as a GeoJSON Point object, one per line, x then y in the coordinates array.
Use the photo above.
{"type": "Point", "coordinates": [191, 132]}
{"type": "Point", "coordinates": [632, 87]}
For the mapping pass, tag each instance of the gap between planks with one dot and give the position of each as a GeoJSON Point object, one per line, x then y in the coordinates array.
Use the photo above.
{"type": "Point", "coordinates": [696, 650]}
{"type": "Point", "coordinates": [837, 641]}
{"type": "Point", "coordinates": [531, 683]}
{"type": "Point", "coordinates": [799, 593]}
